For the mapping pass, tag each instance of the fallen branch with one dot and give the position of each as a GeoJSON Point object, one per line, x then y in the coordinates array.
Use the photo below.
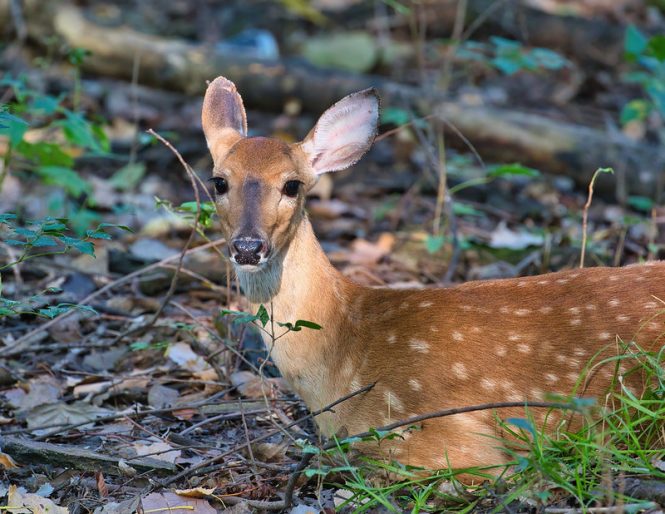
{"type": "Point", "coordinates": [28, 452]}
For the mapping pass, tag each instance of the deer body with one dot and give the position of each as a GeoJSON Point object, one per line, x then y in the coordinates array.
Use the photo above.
{"type": "Point", "coordinates": [426, 349]}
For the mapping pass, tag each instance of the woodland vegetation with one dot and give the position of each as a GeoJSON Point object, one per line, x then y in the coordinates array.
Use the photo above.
{"type": "Point", "coordinates": [516, 136]}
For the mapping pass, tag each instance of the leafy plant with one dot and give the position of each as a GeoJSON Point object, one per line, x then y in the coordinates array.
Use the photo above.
{"type": "Point", "coordinates": [44, 137]}
{"type": "Point", "coordinates": [648, 55]}
{"type": "Point", "coordinates": [509, 56]}
{"type": "Point", "coordinates": [39, 238]}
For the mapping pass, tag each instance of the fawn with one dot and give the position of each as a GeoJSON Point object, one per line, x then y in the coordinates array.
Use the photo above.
{"type": "Point", "coordinates": [426, 349]}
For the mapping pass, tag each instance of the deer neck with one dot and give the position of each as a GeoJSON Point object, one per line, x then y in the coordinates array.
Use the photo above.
{"type": "Point", "coordinates": [301, 284]}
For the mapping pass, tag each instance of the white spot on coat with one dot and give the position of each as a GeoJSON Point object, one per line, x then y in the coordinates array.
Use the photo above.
{"type": "Point", "coordinates": [419, 345]}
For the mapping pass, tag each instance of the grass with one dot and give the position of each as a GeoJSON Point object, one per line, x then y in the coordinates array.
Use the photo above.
{"type": "Point", "coordinates": [622, 435]}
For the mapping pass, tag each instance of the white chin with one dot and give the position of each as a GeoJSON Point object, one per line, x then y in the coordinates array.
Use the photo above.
{"type": "Point", "coordinates": [249, 268]}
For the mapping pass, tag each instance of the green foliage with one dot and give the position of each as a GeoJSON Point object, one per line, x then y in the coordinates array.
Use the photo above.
{"type": "Point", "coordinates": [64, 135]}
{"type": "Point", "coordinates": [188, 210]}
{"type": "Point", "coordinates": [509, 56]}
{"type": "Point", "coordinates": [648, 56]}
{"type": "Point", "coordinates": [263, 317]}
{"type": "Point", "coordinates": [39, 238]}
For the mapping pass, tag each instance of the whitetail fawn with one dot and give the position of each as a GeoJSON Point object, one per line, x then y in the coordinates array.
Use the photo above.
{"type": "Point", "coordinates": [426, 349]}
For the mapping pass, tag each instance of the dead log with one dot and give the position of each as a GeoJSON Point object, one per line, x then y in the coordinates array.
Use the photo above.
{"type": "Point", "coordinates": [591, 40]}
{"type": "Point", "coordinates": [497, 133]}
{"type": "Point", "coordinates": [25, 451]}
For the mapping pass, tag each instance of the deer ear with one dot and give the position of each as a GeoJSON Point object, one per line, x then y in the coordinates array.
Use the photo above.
{"type": "Point", "coordinates": [343, 133]}
{"type": "Point", "coordinates": [223, 116]}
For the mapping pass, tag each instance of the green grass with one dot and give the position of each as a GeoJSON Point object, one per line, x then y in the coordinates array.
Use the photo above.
{"type": "Point", "coordinates": [622, 435]}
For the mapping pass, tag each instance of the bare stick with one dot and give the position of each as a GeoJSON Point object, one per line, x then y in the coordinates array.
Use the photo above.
{"type": "Point", "coordinates": [222, 456]}
{"type": "Point", "coordinates": [585, 212]}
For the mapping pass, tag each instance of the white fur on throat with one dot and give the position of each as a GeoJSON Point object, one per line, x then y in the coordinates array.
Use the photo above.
{"type": "Point", "coordinates": [262, 285]}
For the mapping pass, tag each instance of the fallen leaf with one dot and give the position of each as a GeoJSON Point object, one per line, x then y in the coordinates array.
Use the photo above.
{"type": "Point", "coordinates": [63, 413]}
{"type": "Point", "coordinates": [102, 488]}
{"type": "Point", "coordinates": [160, 396]}
{"type": "Point", "coordinates": [43, 390]}
{"type": "Point", "coordinates": [196, 492]}
{"type": "Point", "coordinates": [18, 498]}
{"type": "Point", "coordinates": [170, 503]}
{"type": "Point", "coordinates": [7, 462]}
{"type": "Point", "coordinates": [503, 237]}
{"type": "Point", "coordinates": [253, 386]}
{"type": "Point", "coordinates": [158, 450]}
{"type": "Point", "coordinates": [183, 355]}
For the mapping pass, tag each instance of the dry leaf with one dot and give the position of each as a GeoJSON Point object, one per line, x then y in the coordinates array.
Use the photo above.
{"type": "Point", "coordinates": [7, 462]}
{"type": "Point", "coordinates": [196, 492]}
{"type": "Point", "coordinates": [101, 484]}
{"type": "Point", "coordinates": [32, 503]}
{"type": "Point", "coordinates": [183, 355]}
{"type": "Point", "coordinates": [158, 450]}
{"type": "Point", "coordinates": [170, 503]}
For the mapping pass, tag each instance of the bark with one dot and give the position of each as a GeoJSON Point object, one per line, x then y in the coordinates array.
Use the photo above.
{"type": "Point", "coordinates": [497, 133]}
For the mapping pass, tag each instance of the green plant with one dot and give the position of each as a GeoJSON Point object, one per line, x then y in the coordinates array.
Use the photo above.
{"type": "Point", "coordinates": [58, 136]}
{"type": "Point", "coordinates": [39, 238]}
{"type": "Point", "coordinates": [509, 56]}
{"type": "Point", "coordinates": [648, 55]}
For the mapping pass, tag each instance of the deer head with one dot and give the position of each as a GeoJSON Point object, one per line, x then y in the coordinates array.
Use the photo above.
{"type": "Point", "coordinates": [260, 183]}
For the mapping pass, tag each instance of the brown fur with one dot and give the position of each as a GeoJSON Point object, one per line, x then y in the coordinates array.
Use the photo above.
{"type": "Point", "coordinates": [492, 341]}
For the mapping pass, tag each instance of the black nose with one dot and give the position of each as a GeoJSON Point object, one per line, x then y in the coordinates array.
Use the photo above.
{"type": "Point", "coordinates": [248, 250]}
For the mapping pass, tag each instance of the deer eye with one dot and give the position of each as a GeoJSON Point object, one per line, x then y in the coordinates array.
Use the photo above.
{"type": "Point", "coordinates": [291, 188]}
{"type": "Point", "coordinates": [221, 185]}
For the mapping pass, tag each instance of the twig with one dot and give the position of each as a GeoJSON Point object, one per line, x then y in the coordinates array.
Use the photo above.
{"type": "Point", "coordinates": [267, 435]}
{"type": "Point", "coordinates": [64, 427]}
{"type": "Point", "coordinates": [190, 240]}
{"type": "Point", "coordinates": [585, 212]}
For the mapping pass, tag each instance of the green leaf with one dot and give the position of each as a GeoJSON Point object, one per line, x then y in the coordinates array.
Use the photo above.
{"type": "Point", "coordinates": [502, 170]}
{"type": "Point", "coordinates": [641, 203]}
{"type": "Point", "coordinates": [66, 178]}
{"type": "Point", "coordinates": [14, 242]}
{"type": "Point", "coordinates": [25, 232]}
{"type": "Point", "coordinates": [45, 154]}
{"type": "Point", "coordinates": [80, 132]}
{"type": "Point", "coordinates": [54, 226]}
{"type": "Point", "coordinates": [635, 110]}
{"type": "Point", "coordinates": [523, 424]}
{"type": "Point", "coordinates": [395, 116]}
{"type": "Point", "coordinates": [656, 47]}
{"type": "Point", "coordinates": [635, 43]}
{"type": "Point", "coordinates": [434, 243]}
{"type": "Point", "coordinates": [45, 104]}
{"type": "Point", "coordinates": [7, 218]}
{"type": "Point", "coordinates": [262, 315]}
{"type": "Point", "coordinates": [299, 325]}
{"type": "Point", "coordinates": [44, 241]}
{"type": "Point", "coordinates": [462, 209]}
{"type": "Point", "coordinates": [85, 247]}
{"type": "Point", "coordinates": [97, 234]}
{"type": "Point", "coordinates": [127, 177]}
{"type": "Point", "coordinates": [507, 65]}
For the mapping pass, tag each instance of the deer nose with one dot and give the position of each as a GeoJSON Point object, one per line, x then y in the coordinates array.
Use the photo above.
{"type": "Point", "coordinates": [248, 250]}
